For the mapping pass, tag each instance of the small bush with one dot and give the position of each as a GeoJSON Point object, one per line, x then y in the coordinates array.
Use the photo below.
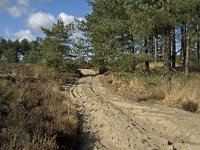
{"type": "Point", "coordinates": [103, 70]}
{"type": "Point", "coordinates": [124, 63]}
{"type": "Point", "coordinates": [189, 105]}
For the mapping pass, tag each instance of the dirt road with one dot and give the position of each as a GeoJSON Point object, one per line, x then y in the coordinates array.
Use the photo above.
{"type": "Point", "coordinates": [110, 122]}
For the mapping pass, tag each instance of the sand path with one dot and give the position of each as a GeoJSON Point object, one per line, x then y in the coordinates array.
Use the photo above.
{"type": "Point", "coordinates": [110, 122]}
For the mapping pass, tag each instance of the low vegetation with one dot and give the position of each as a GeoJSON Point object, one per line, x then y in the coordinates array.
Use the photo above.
{"type": "Point", "coordinates": [184, 90]}
{"type": "Point", "coordinates": [175, 90]}
{"type": "Point", "coordinates": [33, 112]}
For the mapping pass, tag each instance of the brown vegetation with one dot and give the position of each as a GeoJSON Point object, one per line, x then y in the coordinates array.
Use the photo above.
{"type": "Point", "coordinates": [33, 112]}
{"type": "Point", "coordinates": [179, 90]}
{"type": "Point", "coordinates": [136, 87]}
{"type": "Point", "coordinates": [190, 105]}
{"type": "Point", "coordinates": [184, 92]}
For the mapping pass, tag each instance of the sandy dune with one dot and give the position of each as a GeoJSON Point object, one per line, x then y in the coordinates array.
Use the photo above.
{"type": "Point", "coordinates": [110, 122]}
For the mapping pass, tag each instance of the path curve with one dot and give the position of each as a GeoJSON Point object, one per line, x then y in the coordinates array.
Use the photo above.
{"type": "Point", "coordinates": [110, 122]}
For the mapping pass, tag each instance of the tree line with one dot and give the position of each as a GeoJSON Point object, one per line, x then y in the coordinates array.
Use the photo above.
{"type": "Point", "coordinates": [144, 31]}
{"type": "Point", "coordinates": [119, 34]}
{"type": "Point", "coordinates": [54, 50]}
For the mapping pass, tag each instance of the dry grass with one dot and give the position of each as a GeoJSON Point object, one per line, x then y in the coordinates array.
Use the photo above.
{"type": "Point", "coordinates": [139, 88]}
{"type": "Point", "coordinates": [159, 65]}
{"type": "Point", "coordinates": [156, 65]}
{"type": "Point", "coordinates": [35, 115]}
{"type": "Point", "coordinates": [27, 72]}
{"type": "Point", "coordinates": [180, 91]}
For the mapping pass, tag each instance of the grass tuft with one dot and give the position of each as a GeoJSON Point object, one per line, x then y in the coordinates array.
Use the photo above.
{"type": "Point", "coordinates": [190, 105]}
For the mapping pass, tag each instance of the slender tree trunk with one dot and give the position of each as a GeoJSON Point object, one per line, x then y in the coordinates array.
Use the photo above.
{"type": "Point", "coordinates": [198, 43]}
{"type": "Point", "coordinates": [155, 39]}
{"type": "Point", "coordinates": [132, 49]}
{"type": "Point", "coordinates": [167, 49]}
{"type": "Point", "coordinates": [151, 46]}
{"type": "Point", "coordinates": [183, 42]}
{"type": "Point", "coordinates": [161, 47]}
{"type": "Point", "coordinates": [1, 53]}
{"type": "Point", "coordinates": [181, 49]}
{"type": "Point", "coordinates": [146, 62]}
{"type": "Point", "coordinates": [187, 53]}
{"type": "Point", "coordinates": [174, 48]}
{"type": "Point", "coordinates": [16, 58]}
{"type": "Point", "coordinates": [132, 46]}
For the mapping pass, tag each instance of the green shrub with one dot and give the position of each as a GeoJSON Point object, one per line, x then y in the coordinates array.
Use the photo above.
{"type": "Point", "coordinates": [124, 63]}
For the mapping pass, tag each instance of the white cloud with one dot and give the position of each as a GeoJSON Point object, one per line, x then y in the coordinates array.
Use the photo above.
{"type": "Point", "coordinates": [16, 8]}
{"type": "Point", "coordinates": [15, 11]}
{"type": "Point", "coordinates": [81, 18]}
{"type": "Point", "coordinates": [69, 18]}
{"type": "Point", "coordinates": [23, 2]}
{"type": "Point", "coordinates": [40, 19]}
{"type": "Point", "coordinates": [66, 18]}
{"type": "Point", "coordinates": [20, 35]}
{"type": "Point", "coordinates": [46, 20]}
{"type": "Point", "coordinates": [19, 8]}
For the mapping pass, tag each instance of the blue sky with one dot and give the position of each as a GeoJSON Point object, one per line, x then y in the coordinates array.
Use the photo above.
{"type": "Point", "coordinates": [23, 18]}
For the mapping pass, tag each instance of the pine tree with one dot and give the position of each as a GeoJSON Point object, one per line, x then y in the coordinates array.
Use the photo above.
{"type": "Point", "coordinates": [107, 29]}
{"type": "Point", "coordinates": [35, 54]}
{"type": "Point", "coordinates": [56, 43]}
{"type": "Point", "coordinates": [143, 27]}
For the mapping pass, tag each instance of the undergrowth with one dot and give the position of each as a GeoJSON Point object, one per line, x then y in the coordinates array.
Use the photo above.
{"type": "Point", "coordinates": [140, 87]}
{"type": "Point", "coordinates": [175, 89]}
{"type": "Point", "coordinates": [33, 112]}
{"type": "Point", "coordinates": [183, 90]}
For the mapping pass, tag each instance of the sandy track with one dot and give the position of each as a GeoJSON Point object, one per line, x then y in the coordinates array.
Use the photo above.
{"type": "Point", "coordinates": [114, 123]}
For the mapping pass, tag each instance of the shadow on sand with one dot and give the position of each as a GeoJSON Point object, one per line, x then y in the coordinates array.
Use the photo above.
{"type": "Point", "coordinates": [90, 75]}
{"type": "Point", "coordinates": [85, 140]}
{"type": "Point", "coordinates": [82, 141]}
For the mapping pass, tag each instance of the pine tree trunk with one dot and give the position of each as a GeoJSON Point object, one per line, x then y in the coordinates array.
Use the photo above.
{"type": "Point", "coordinates": [187, 53]}
{"type": "Point", "coordinates": [133, 47]}
{"type": "Point", "coordinates": [167, 49]}
{"type": "Point", "coordinates": [187, 56]}
{"type": "Point", "coordinates": [183, 42]}
{"type": "Point", "coordinates": [155, 48]}
{"type": "Point", "coordinates": [181, 49]}
{"type": "Point", "coordinates": [16, 58]}
{"type": "Point", "coordinates": [174, 48]}
{"type": "Point", "coordinates": [1, 53]}
{"type": "Point", "coordinates": [145, 62]}
{"type": "Point", "coordinates": [198, 43]}
{"type": "Point", "coordinates": [151, 46]}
